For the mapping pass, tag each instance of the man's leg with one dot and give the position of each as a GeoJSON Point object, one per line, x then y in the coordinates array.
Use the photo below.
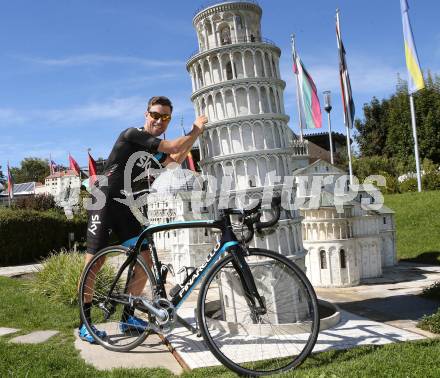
{"type": "Point", "coordinates": [97, 238]}
{"type": "Point", "coordinates": [139, 278]}
{"type": "Point", "coordinates": [90, 281]}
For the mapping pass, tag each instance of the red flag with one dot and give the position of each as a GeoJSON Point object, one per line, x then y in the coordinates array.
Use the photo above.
{"type": "Point", "coordinates": [73, 164]}
{"type": "Point", "coordinates": [190, 160]}
{"type": "Point", "coordinates": [92, 171]}
{"type": "Point", "coordinates": [10, 184]}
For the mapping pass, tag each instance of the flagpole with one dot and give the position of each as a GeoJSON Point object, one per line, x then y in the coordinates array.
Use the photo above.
{"type": "Point", "coordinates": [415, 79]}
{"type": "Point", "coordinates": [328, 109]}
{"type": "Point", "coordinates": [10, 190]}
{"type": "Point", "coordinates": [347, 119]}
{"type": "Point", "coordinates": [292, 37]}
{"type": "Point", "coordinates": [416, 146]}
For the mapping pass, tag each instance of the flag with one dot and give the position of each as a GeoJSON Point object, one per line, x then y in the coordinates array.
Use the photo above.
{"type": "Point", "coordinates": [190, 161]}
{"type": "Point", "coordinates": [92, 171]}
{"type": "Point", "coordinates": [52, 166]}
{"type": "Point", "coordinates": [73, 164]}
{"type": "Point", "coordinates": [347, 98]}
{"type": "Point", "coordinates": [415, 77]}
{"type": "Point", "coordinates": [310, 108]}
{"type": "Point", "coordinates": [10, 184]}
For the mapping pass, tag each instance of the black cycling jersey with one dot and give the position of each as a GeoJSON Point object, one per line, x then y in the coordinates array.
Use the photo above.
{"type": "Point", "coordinates": [130, 141]}
{"type": "Point", "coordinates": [116, 216]}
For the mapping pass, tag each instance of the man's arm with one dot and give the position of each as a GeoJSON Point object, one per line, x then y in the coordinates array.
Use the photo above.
{"type": "Point", "coordinates": [178, 148]}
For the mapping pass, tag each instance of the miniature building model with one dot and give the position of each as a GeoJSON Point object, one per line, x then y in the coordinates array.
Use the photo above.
{"type": "Point", "coordinates": [350, 245]}
{"type": "Point", "coordinates": [236, 83]}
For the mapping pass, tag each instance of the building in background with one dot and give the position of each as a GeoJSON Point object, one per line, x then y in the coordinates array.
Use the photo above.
{"type": "Point", "coordinates": [345, 247]}
{"type": "Point", "coordinates": [319, 145]}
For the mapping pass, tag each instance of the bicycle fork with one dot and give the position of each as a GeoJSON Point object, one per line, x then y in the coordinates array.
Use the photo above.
{"type": "Point", "coordinates": [253, 298]}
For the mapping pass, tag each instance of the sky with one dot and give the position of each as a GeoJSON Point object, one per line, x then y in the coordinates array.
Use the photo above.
{"type": "Point", "coordinates": [74, 74]}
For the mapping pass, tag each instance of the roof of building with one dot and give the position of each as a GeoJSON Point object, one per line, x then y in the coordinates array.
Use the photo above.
{"type": "Point", "coordinates": [175, 180]}
{"type": "Point", "coordinates": [21, 189]}
{"type": "Point", "coordinates": [318, 136]}
{"type": "Point", "coordinates": [69, 172]}
{"type": "Point", "coordinates": [326, 200]}
{"type": "Point", "coordinates": [304, 170]}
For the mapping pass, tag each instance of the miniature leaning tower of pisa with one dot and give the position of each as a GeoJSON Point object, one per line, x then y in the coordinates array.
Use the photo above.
{"type": "Point", "coordinates": [236, 82]}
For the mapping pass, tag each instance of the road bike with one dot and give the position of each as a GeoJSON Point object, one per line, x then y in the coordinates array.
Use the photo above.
{"type": "Point", "coordinates": [256, 310]}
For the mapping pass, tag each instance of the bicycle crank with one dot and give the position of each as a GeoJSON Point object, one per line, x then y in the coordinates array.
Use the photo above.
{"type": "Point", "coordinates": [164, 325]}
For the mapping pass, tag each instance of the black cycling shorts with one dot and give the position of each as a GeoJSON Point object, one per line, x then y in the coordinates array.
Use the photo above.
{"type": "Point", "coordinates": [114, 217]}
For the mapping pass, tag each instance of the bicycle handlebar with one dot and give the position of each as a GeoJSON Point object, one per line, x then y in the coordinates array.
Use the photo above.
{"type": "Point", "coordinates": [251, 218]}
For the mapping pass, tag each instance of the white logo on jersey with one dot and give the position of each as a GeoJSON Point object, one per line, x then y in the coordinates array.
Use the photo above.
{"type": "Point", "coordinates": [95, 222]}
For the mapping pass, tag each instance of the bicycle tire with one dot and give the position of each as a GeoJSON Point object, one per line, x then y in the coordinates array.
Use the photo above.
{"type": "Point", "coordinates": [115, 340]}
{"type": "Point", "coordinates": [222, 325]}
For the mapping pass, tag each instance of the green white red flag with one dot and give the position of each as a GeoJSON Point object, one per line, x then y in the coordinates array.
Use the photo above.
{"type": "Point", "coordinates": [310, 107]}
{"type": "Point", "coordinates": [10, 184]}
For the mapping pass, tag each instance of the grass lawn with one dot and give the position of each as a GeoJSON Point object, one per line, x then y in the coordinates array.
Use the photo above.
{"type": "Point", "coordinates": [58, 357]}
{"type": "Point", "coordinates": [418, 225]}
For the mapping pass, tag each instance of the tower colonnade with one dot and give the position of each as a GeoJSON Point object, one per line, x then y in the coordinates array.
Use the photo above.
{"type": "Point", "coordinates": [234, 62]}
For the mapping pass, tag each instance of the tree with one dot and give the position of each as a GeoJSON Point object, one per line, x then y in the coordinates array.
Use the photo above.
{"type": "Point", "coordinates": [3, 178]}
{"type": "Point", "coordinates": [31, 169]}
{"type": "Point", "coordinates": [386, 128]}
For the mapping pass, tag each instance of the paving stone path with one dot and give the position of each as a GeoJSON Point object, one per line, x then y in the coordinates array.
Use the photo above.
{"type": "Point", "coordinates": [352, 331]}
{"type": "Point", "coordinates": [35, 337]}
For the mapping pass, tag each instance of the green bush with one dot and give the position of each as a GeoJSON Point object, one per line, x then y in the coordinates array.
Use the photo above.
{"type": "Point", "coordinates": [430, 323]}
{"type": "Point", "coordinates": [432, 291]}
{"type": "Point", "coordinates": [431, 181]}
{"type": "Point", "coordinates": [39, 202]}
{"type": "Point", "coordinates": [28, 235]}
{"type": "Point", "coordinates": [59, 277]}
{"type": "Point", "coordinates": [392, 184]}
{"type": "Point", "coordinates": [409, 185]}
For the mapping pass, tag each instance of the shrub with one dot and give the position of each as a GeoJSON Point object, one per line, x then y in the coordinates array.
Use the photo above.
{"type": "Point", "coordinates": [392, 184]}
{"type": "Point", "coordinates": [432, 291]}
{"type": "Point", "coordinates": [430, 323]}
{"type": "Point", "coordinates": [431, 181]}
{"type": "Point", "coordinates": [409, 185]}
{"type": "Point", "coordinates": [59, 277]}
{"type": "Point", "coordinates": [39, 202]}
{"type": "Point", "coordinates": [28, 235]}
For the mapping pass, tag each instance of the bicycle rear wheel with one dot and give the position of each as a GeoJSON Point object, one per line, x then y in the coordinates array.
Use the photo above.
{"type": "Point", "coordinates": [257, 345]}
{"type": "Point", "coordinates": [106, 312]}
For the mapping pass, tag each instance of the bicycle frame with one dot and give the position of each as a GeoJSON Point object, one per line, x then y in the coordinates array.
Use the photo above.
{"type": "Point", "coordinates": [227, 241]}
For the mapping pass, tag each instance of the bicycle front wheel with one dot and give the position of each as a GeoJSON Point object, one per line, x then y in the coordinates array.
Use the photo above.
{"type": "Point", "coordinates": [107, 306]}
{"type": "Point", "coordinates": [272, 342]}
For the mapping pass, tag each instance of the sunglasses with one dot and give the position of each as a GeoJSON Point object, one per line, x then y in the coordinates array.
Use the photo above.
{"type": "Point", "coordinates": [163, 117]}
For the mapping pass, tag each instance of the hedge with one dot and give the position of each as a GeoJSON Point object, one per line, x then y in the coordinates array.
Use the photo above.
{"type": "Point", "coordinates": [26, 236]}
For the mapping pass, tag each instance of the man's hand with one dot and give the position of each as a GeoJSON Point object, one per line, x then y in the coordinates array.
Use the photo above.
{"type": "Point", "coordinates": [199, 123]}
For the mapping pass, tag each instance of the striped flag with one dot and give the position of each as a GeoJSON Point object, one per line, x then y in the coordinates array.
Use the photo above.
{"type": "Point", "coordinates": [190, 161]}
{"type": "Point", "coordinates": [415, 77]}
{"type": "Point", "coordinates": [92, 171]}
{"type": "Point", "coordinates": [10, 184]}
{"type": "Point", "coordinates": [347, 98]}
{"type": "Point", "coordinates": [310, 108]}
{"type": "Point", "coordinates": [52, 165]}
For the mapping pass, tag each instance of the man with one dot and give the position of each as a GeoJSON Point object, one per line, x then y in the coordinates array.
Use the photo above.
{"type": "Point", "coordinates": [118, 217]}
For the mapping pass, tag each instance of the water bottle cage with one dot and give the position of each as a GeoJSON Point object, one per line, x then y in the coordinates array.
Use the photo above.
{"type": "Point", "coordinates": [189, 270]}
